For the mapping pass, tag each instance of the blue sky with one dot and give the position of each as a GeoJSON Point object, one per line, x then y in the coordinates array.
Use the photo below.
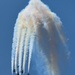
{"type": "Point", "coordinates": [9, 10]}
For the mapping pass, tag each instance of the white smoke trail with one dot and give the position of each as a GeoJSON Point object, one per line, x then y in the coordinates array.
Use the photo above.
{"type": "Point", "coordinates": [15, 45]}
{"type": "Point", "coordinates": [17, 49]}
{"type": "Point", "coordinates": [21, 49]}
{"type": "Point", "coordinates": [32, 37]}
{"type": "Point", "coordinates": [26, 48]}
{"type": "Point", "coordinates": [13, 48]}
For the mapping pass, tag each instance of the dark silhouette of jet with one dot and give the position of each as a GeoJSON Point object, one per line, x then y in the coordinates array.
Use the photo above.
{"type": "Point", "coordinates": [13, 70]}
{"type": "Point", "coordinates": [22, 71]}
{"type": "Point", "coordinates": [17, 73]}
{"type": "Point", "coordinates": [28, 74]}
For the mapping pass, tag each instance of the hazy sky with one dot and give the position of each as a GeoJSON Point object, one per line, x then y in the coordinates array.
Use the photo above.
{"type": "Point", "coordinates": [9, 10]}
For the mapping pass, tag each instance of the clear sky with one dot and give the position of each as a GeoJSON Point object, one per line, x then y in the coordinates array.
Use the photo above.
{"type": "Point", "coordinates": [9, 10]}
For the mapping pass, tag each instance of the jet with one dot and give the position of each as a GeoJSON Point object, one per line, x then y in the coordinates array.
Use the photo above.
{"type": "Point", "coordinates": [13, 70]}
{"type": "Point", "coordinates": [22, 71]}
{"type": "Point", "coordinates": [28, 74]}
{"type": "Point", "coordinates": [17, 74]}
